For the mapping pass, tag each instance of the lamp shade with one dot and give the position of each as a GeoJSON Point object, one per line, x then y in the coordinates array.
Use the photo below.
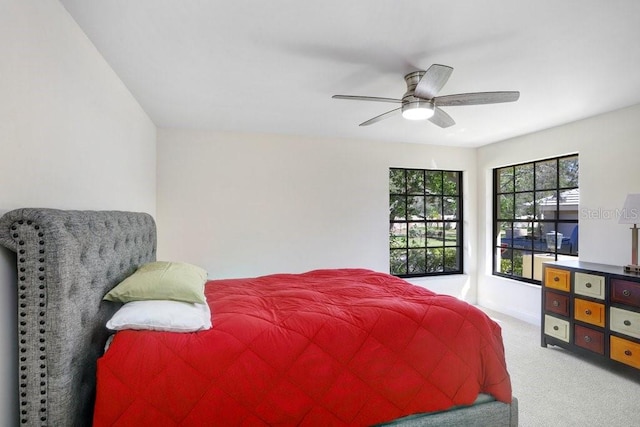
{"type": "Point", "coordinates": [630, 213]}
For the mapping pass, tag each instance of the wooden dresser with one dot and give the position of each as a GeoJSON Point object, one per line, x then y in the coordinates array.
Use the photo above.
{"type": "Point", "coordinates": [592, 309]}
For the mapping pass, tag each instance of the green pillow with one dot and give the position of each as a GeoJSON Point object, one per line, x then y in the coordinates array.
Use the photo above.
{"type": "Point", "coordinates": [162, 280]}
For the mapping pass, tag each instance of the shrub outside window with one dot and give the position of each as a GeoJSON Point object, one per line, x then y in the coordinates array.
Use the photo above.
{"type": "Point", "coordinates": [536, 208]}
{"type": "Point", "coordinates": [425, 222]}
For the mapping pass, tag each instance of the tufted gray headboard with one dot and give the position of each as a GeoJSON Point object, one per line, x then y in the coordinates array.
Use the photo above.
{"type": "Point", "coordinates": [67, 261]}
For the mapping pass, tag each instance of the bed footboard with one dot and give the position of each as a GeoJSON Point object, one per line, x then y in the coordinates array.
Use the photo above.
{"type": "Point", "coordinates": [494, 414]}
{"type": "Point", "coordinates": [67, 261]}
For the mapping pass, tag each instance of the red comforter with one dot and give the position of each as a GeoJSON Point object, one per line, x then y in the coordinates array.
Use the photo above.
{"type": "Point", "coordinates": [324, 348]}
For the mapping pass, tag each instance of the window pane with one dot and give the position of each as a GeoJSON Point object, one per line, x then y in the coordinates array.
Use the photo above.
{"type": "Point", "coordinates": [561, 237]}
{"type": "Point", "coordinates": [415, 209]}
{"type": "Point", "coordinates": [435, 260]}
{"type": "Point", "coordinates": [435, 233]}
{"type": "Point", "coordinates": [528, 264]}
{"type": "Point", "coordinates": [537, 234]}
{"type": "Point", "coordinates": [505, 206]}
{"type": "Point", "coordinates": [505, 231]}
{"type": "Point", "coordinates": [397, 208]}
{"type": "Point", "coordinates": [450, 207]}
{"type": "Point", "coordinates": [434, 207]}
{"type": "Point", "coordinates": [505, 180]}
{"type": "Point", "coordinates": [451, 259]}
{"type": "Point", "coordinates": [545, 204]}
{"type": "Point", "coordinates": [516, 266]}
{"type": "Point", "coordinates": [546, 175]}
{"type": "Point", "coordinates": [398, 235]}
{"type": "Point", "coordinates": [415, 182]}
{"type": "Point", "coordinates": [524, 205]}
{"type": "Point", "coordinates": [450, 183]}
{"type": "Point", "coordinates": [417, 235]}
{"type": "Point", "coordinates": [522, 235]}
{"type": "Point", "coordinates": [417, 261]}
{"type": "Point", "coordinates": [524, 177]}
{"type": "Point", "coordinates": [503, 261]}
{"type": "Point", "coordinates": [569, 168]}
{"type": "Point", "coordinates": [451, 235]}
{"type": "Point", "coordinates": [397, 182]}
{"type": "Point", "coordinates": [566, 238]}
{"type": "Point", "coordinates": [434, 182]}
{"type": "Point", "coordinates": [398, 262]}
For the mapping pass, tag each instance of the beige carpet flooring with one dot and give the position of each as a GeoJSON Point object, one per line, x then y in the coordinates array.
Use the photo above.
{"type": "Point", "coordinates": [557, 388]}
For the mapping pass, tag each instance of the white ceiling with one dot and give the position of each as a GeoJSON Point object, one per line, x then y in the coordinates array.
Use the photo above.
{"type": "Point", "coordinates": [272, 66]}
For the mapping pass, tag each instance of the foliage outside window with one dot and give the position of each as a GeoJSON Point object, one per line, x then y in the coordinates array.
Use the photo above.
{"type": "Point", "coordinates": [536, 209]}
{"type": "Point", "coordinates": [425, 222]}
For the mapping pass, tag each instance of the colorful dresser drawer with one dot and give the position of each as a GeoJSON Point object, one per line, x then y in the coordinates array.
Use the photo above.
{"type": "Point", "coordinates": [625, 292]}
{"type": "Point", "coordinates": [589, 312]}
{"type": "Point", "coordinates": [557, 279]}
{"type": "Point", "coordinates": [588, 338]}
{"type": "Point", "coordinates": [556, 303]}
{"type": "Point", "coordinates": [590, 285]}
{"type": "Point", "coordinates": [625, 321]}
{"type": "Point", "coordinates": [625, 351]}
{"type": "Point", "coordinates": [556, 328]}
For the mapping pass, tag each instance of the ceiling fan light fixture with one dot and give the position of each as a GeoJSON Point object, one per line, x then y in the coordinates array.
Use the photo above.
{"type": "Point", "coordinates": [421, 99]}
{"type": "Point", "coordinates": [417, 110]}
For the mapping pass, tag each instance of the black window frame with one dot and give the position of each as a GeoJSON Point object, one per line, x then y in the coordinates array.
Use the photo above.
{"type": "Point", "coordinates": [446, 250]}
{"type": "Point", "coordinates": [510, 248]}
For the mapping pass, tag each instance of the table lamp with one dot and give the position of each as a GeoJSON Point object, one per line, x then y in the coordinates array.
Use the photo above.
{"type": "Point", "coordinates": [631, 215]}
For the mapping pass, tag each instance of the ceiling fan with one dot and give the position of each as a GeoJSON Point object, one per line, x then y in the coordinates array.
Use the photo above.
{"type": "Point", "coordinates": [420, 101]}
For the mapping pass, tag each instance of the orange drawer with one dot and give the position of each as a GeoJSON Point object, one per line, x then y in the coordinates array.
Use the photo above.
{"type": "Point", "coordinates": [589, 312]}
{"type": "Point", "coordinates": [625, 351]}
{"type": "Point", "coordinates": [556, 303]}
{"type": "Point", "coordinates": [557, 279]}
{"type": "Point", "coordinates": [589, 339]}
{"type": "Point", "coordinates": [625, 292]}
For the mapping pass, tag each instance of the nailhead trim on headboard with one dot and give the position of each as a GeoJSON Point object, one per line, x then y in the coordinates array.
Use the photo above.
{"type": "Point", "coordinates": [66, 261]}
{"type": "Point", "coordinates": [33, 374]}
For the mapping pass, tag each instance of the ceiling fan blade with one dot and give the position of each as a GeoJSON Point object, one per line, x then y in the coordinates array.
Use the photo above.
{"type": "Point", "coordinates": [367, 98]}
{"type": "Point", "coordinates": [380, 117]}
{"type": "Point", "coordinates": [476, 98]}
{"type": "Point", "coordinates": [442, 119]}
{"type": "Point", "coordinates": [432, 81]}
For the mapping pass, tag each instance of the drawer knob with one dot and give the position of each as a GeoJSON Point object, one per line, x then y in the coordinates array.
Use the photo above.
{"type": "Point", "coordinates": [587, 312]}
{"type": "Point", "coordinates": [555, 303]}
{"type": "Point", "coordinates": [628, 353]}
{"type": "Point", "coordinates": [587, 338]}
{"type": "Point", "coordinates": [626, 293]}
{"type": "Point", "coordinates": [556, 279]}
{"type": "Point", "coordinates": [588, 285]}
{"type": "Point", "coordinates": [627, 323]}
{"type": "Point", "coordinates": [555, 328]}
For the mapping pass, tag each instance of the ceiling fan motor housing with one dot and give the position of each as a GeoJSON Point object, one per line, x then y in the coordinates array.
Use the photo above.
{"type": "Point", "coordinates": [412, 102]}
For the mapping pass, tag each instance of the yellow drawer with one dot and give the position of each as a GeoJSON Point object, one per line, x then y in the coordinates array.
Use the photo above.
{"type": "Point", "coordinates": [625, 351]}
{"type": "Point", "coordinates": [589, 312]}
{"type": "Point", "coordinates": [624, 321]}
{"type": "Point", "coordinates": [589, 285]}
{"type": "Point", "coordinates": [556, 328]}
{"type": "Point", "coordinates": [557, 279]}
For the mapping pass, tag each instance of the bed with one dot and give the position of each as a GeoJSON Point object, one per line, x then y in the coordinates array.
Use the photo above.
{"type": "Point", "coordinates": [68, 260]}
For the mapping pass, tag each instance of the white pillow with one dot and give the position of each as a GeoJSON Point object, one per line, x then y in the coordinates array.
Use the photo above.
{"type": "Point", "coordinates": [161, 315]}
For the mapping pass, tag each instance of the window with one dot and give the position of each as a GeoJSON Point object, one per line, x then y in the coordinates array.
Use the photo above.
{"type": "Point", "coordinates": [425, 222]}
{"type": "Point", "coordinates": [535, 216]}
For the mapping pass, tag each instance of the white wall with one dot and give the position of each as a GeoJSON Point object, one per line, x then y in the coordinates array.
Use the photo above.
{"type": "Point", "coordinates": [243, 205]}
{"type": "Point", "coordinates": [609, 152]}
{"type": "Point", "coordinates": [72, 137]}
